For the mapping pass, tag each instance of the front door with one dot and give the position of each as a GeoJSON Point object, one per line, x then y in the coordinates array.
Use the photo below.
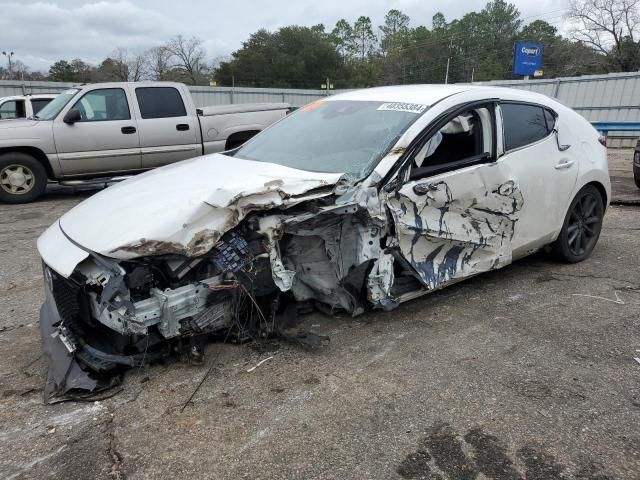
{"type": "Point", "coordinates": [456, 211]}
{"type": "Point", "coordinates": [104, 140]}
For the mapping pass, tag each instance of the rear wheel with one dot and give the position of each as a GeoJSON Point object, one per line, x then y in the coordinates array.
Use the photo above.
{"type": "Point", "coordinates": [22, 178]}
{"type": "Point", "coordinates": [636, 168]}
{"type": "Point", "coordinates": [582, 226]}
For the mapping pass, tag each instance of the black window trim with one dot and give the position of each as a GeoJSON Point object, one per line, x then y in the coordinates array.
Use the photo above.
{"type": "Point", "coordinates": [142, 87]}
{"type": "Point", "coordinates": [104, 119]}
{"type": "Point", "coordinates": [405, 161]}
{"type": "Point", "coordinates": [530, 104]}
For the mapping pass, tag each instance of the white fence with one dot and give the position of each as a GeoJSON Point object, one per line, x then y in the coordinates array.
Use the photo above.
{"type": "Point", "coordinates": [612, 97]}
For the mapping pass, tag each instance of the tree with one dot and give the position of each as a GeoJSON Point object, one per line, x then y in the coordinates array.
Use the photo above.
{"type": "Point", "coordinates": [364, 38]}
{"type": "Point", "coordinates": [396, 25]}
{"type": "Point", "coordinates": [157, 63]}
{"type": "Point", "coordinates": [292, 57]}
{"type": "Point", "coordinates": [187, 57]}
{"type": "Point", "coordinates": [61, 71]}
{"type": "Point", "coordinates": [610, 27]}
{"type": "Point", "coordinates": [342, 38]}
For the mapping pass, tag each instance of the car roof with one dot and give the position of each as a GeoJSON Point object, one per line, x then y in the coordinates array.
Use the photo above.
{"type": "Point", "coordinates": [36, 96]}
{"type": "Point", "coordinates": [430, 94]}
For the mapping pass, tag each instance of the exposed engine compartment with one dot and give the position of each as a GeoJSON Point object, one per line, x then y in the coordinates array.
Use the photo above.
{"type": "Point", "coordinates": [251, 284]}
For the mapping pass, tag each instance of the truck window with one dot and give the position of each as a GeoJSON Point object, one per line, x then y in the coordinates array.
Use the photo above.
{"type": "Point", "coordinates": [12, 109]}
{"type": "Point", "coordinates": [103, 105]}
{"type": "Point", "coordinates": [160, 102]}
{"type": "Point", "coordinates": [39, 103]}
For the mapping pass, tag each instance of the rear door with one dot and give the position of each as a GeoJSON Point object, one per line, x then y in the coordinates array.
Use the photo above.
{"type": "Point", "coordinates": [456, 208]}
{"type": "Point", "coordinates": [105, 140]}
{"type": "Point", "coordinates": [167, 132]}
{"type": "Point", "coordinates": [547, 175]}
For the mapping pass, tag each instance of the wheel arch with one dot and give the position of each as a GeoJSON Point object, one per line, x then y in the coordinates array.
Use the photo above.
{"type": "Point", "coordinates": [601, 188]}
{"type": "Point", "coordinates": [241, 136]}
{"type": "Point", "coordinates": [34, 152]}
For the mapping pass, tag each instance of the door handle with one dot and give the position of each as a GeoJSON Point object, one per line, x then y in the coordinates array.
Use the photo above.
{"type": "Point", "coordinates": [565, 164]}
{"type": "Point", "coordinates": [128, 130]}
{"type": "Point", "coordinates": [181, 127]}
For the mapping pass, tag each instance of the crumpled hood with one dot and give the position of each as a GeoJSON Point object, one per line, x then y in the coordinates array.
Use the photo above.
{"type": "Point", "coordinates": [184, 208]}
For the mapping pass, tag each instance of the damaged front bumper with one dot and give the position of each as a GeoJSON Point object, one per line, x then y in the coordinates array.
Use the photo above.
{"type": "Point", "coordinates": [75, 365]}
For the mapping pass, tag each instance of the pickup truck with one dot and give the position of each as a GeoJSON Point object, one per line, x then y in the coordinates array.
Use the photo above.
{"type": "Point", "coordinates": [116, 129]}
{"type": "Point", "coordinates": [23, 106]}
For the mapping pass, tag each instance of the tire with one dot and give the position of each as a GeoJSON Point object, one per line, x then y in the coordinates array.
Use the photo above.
{"type": "Point", "coordinates": [22, 178]}
{"type": "Point", "coordinates": [581, 228]}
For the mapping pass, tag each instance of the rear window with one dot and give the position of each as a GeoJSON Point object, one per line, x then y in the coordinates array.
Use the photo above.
{"type": "Point", "coordinates": [39, 103]}
{"type": "Point", "coordinates": [523, 124]}
{"type": "Point", "coordinates": [160, 102]}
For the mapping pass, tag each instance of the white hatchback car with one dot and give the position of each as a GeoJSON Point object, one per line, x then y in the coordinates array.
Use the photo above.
{"type": "Point", "coordinates": [358, 201]}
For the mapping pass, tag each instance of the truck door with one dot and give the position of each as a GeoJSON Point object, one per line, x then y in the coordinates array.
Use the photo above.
{"type": "Point", "coordinates": [168, 133]}
{"type": "Point", "coordinates": [105, 138]}
{"type": "Point", "coordinates": [455, 208]}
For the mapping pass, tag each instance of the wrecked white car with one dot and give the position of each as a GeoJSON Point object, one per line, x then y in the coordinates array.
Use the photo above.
{"type": "Point", "coordinates": [359, 201]}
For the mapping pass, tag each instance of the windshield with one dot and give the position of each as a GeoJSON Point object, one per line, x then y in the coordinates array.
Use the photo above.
{"type": "Point", "coordinates": [335, 136]}
{"type": "Point", "coordinates": [53, 108]}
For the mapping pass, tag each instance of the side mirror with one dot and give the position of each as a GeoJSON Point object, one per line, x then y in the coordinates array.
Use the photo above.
{"type": "Point", "coordinates": [72, 116]}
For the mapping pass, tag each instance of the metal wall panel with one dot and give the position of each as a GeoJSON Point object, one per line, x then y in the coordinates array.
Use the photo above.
{"type": "Point", "coordinates": [612, 97]}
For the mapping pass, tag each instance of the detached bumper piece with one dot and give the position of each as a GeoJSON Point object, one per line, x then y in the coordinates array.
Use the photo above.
{"type": "Point", "coordinates": [77, 370]}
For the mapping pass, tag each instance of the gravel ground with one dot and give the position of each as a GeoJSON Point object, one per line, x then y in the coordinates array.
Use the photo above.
{"type": "Point", "coordinates": [527, 372]}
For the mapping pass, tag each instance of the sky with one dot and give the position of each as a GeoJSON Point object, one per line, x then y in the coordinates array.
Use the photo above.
{"type": "Point", "coordinates": [42, 32]}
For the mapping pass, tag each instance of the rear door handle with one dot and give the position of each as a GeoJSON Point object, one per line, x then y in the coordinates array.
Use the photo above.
{"type": "Point", "coordinates": [565, 164]}
{"type": "Point", "coordinates": [128, 130]}
{"type": "Point", "coordinates": [182, 127]}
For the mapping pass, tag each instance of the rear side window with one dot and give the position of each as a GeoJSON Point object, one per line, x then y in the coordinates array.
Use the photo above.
{"type": "Point", "coordinates": [523, 124]}
{"type": "Point", "coordinates": [12, 109]}
{"type": "Point", "coordinates": [39, 103]}
{"type": "Point", "coordinates": [160, 102]}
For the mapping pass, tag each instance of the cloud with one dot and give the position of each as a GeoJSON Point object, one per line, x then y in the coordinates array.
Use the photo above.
{"type": "Point", "coordinates": [41, 33]}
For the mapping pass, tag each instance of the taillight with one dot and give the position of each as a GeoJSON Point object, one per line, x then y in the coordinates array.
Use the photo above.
{"type": "Point", "coordinates": [603, 140]}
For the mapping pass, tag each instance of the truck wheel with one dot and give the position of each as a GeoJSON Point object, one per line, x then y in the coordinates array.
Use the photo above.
{"type": "Point", "coordinates": [22, 178]}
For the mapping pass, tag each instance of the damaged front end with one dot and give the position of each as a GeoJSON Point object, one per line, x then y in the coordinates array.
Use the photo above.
{"type": "Point", "coordinates": [109, 314]}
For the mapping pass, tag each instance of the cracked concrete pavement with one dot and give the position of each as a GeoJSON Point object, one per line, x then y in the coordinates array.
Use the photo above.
{"type": "Point", "coordinates": [526, 372]}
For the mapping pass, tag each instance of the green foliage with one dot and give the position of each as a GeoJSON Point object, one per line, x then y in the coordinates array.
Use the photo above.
{"type": "Point", "coordinates": [292, 57]}
{"type": "Point", "coordinates": [478, 46]}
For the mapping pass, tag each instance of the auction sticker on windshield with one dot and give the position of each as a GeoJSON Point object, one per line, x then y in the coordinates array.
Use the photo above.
{"type": "Point", "coordinates": [403, 107]}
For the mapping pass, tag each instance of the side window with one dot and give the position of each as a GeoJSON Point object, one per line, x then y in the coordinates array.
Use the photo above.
{"type": "Point", "coordinates": [160, 102]}
{"type": "Point", "coordinates": [523, 124]}
{"type": "Point", "coordinates": [466, 136]}
{"type": "Point", "coordinates": [39, 103]}
{"type": "Point", "coordinates": [103, 105]}
{"type": "Point", "coordinates": [12, 109]}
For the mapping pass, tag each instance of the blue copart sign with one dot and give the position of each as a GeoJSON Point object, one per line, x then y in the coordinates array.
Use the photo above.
{"type": "Point", "coordinates": [527, 58]}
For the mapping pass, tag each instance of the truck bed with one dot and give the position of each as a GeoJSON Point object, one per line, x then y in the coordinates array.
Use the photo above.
{"type": "Point", "coordinates": [241, 108]}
